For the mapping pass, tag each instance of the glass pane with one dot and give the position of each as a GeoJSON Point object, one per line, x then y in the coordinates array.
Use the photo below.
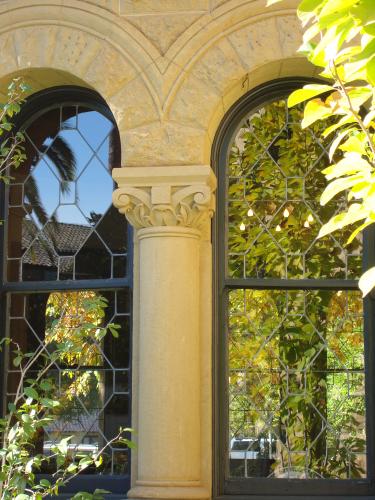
{"type": "Point", "coordinates": [91, 381]}
{"type": "Point", "coordinates": [274, 183]}
{"type": "Point", "coordinates": [61, 222]}
{"type": "Point", "coordinates": [296, 384]}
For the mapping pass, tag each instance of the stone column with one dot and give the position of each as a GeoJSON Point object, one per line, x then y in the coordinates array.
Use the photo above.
{"type": "Point", "coordinates": [170, 208]}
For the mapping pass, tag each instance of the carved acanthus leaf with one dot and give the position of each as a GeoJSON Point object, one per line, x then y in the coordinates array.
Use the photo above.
{"type": "Point", "coordinates": [188, 206]}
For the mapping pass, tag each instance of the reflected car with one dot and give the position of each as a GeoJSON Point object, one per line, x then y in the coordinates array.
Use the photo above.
{"type": "Point", "coordinates": [250, 448]}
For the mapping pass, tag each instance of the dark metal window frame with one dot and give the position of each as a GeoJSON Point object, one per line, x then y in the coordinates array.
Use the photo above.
{"type": "Point", "coordinates": [265, 488]}
{"type": "Point", "coordinates": [38, 104]}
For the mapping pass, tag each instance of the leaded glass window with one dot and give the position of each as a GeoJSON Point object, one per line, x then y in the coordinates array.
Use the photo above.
{"type": "Point", "coordinates": [293, 380]}
{"type": "Point", "coordinates": [65, 244]}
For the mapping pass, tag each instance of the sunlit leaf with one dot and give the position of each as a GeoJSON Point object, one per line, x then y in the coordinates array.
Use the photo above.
{"type": "Point", "coordinates": [315, 110]}
{"type": "Point", "coordinates": [370, 70]}
{"type": "Point", "coordinates": [307, 92]}
{"type": "Point", "coordinates": [367, 281]}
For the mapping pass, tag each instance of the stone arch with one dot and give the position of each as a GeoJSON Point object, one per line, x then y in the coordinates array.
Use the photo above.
{"type": "Point", "coordinates": [62, 55]}
{"type": "Point", "coordinates": [246, 55]}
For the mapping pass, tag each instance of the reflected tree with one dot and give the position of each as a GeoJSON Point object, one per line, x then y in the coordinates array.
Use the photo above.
{"type": "Point", "coordinates": [293, 355]}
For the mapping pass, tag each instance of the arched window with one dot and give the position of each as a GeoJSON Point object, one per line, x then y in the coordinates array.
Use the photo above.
{"type": "Point", "coordinates": [65, 244]}
{"type": "Point", "coordinates": [294, 348]}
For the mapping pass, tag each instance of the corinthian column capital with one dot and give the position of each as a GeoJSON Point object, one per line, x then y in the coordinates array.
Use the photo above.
{"type": "Point", "coordinates": [165, 196]}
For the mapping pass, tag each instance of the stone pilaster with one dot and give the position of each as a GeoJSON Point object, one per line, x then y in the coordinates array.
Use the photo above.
{"type": "Point", "coordinates": [170, 207]}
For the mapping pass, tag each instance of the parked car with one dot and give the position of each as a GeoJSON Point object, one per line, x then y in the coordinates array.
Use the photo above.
{"type": "Point", "coordinates": [251, 448]}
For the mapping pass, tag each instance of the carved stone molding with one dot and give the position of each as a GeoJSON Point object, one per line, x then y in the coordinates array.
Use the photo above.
{"type": "Point", "coordinates": [165, 196]}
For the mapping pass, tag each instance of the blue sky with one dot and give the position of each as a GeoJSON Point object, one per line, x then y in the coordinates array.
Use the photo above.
{"type": "Point", "coordinates": [93, 187]}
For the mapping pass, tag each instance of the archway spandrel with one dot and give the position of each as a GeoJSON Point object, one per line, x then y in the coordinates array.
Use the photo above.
{"type": "Point", "coordinates": [163, 30]}
{"type": "Point", "coordinates": [133, 105]}
{"type": "Point", "coordinates": [164, 144]}
{"type": "Point", "coordinates": [193, 102]}
{"type": "Point", "coordinates": [256, 52]}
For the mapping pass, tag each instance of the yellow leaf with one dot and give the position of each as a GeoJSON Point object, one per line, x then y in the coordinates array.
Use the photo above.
{"type": "Point", "coordinates": [367, 281]}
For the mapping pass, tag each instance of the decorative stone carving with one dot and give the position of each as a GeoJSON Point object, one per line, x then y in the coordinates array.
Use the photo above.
{"type": "Point", "coordinates": [165, 196]}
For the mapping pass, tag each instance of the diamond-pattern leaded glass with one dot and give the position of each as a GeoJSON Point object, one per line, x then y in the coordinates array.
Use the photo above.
{"type": "Point", "coordinates": [273, 210]}
{"type": "Point", "coordinates": [296, 375]}
{"type": "Point", "coordinates": [61, 222]}
{"type": "Point", "coordinates": [296, 382]}
{"type": "Point", "coordinates": [92, 383]}
{"type": "Point", "coordinates": [61, 226]}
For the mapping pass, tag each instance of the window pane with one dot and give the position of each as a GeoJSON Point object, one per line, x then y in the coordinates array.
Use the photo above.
{"type": "Point", "coordinates": [274, 184]}
{"type": "Point", "coordinates": [91, 381]}
{"type": "Point", "coordinates": [296, 384]}
{"type": "Point", "coordinates": [61, 222]}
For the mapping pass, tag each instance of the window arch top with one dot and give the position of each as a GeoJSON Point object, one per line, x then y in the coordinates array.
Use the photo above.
{"type": "Point", "coordinates": [274, 184]}
{"type": "Point", "coordinates": [61, 222]}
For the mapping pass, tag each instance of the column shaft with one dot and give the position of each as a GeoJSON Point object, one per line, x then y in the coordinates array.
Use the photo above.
{"type": "Point", "coordinates": [169, 417]}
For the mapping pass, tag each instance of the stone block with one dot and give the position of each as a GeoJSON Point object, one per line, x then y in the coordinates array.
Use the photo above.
{"type": "Point", "coordinates": [194, 103]}
{"type": "Point", "coordinates": [163, 30]}
{"type": "Point", "coordinates": [290, 34]}
{"type": "Point", "coordinates": [132, 7]}
{"type": "Point", "coordinates": [133, 105]}
{"type": "Point", "coordinates": [75, 50]}
{"type": "Point", "coordinates": [257, 43]}
{"type": "Point", "coordinates": [163, 144]}
{"type": "Point", "coordinates": [35, 46]}
{"type": "Point", "coordinates": [117, 71]}
{"type": "Point", "coordinates": [220, 67]}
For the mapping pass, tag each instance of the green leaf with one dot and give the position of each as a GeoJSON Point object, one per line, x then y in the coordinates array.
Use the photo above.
{"type": "Point", "coordinates": [309, 5]}
{"type": "Point", "coordinates": [17, 360]}
{"type": "Point", "coordinates": [367, 281]}
{"type": "Point", "coordinates": [355, 144]}
{"type": "Point", "coordinates": [85, 462]}
{"type": "Point", "coordinates": [336, 142]}
{"type": "Point", "coordinates": [355, 213]}
{"type": "Point", "coordinates": [11, 407]}
{"type": "Point", "coordinates": [357, 231]}
{"type": "Point", "coordinates": [30, 392]}
{"type": "Point", "coordinates": [359, 95]}
{"type": "Point", "coordinates": [336, 6]}
{"type": "Point", "coordinates": [345, 120]}
{"type": "Point", "coordinates": [307, 92]}
{"type": "Point", "coordinates": [62, 446]}
{"type": "Point", "coordinates": [337, 186]}
{"type": "Point", "coordinates": [350, 164]}
{"type": "Point", "coordinates": [46, 385]}
{"type": "Point", "coordinates": [45, 483]}
{"type": "Point", "coordinates": [114, 330]}
{"type": "Point", "coordinates": [364, 12]}
{"type": "Point", "coordinates": [370, 71]}
{"type": "Point", "coordinates": [369, 29]}
{"type": "Point", "coordinates": [315, 110]}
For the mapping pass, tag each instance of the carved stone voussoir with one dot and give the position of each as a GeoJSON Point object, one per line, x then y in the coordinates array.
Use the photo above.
{"type": "Point", "coordinates": [165, 196]}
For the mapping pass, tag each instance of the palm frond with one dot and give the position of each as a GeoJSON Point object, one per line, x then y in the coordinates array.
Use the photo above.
{"type": "Point", "coordinates": [63, 157]}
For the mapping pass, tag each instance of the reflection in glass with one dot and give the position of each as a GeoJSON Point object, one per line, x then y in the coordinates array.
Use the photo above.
{"type": "Point", "coordinates": [61, 220]}
{"type": "Point", "coordinates": [296, 384]}
{"type": "Point", "coordinates": [92, 380]}
{"type": "Point", "coordinates": [274, 183]}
